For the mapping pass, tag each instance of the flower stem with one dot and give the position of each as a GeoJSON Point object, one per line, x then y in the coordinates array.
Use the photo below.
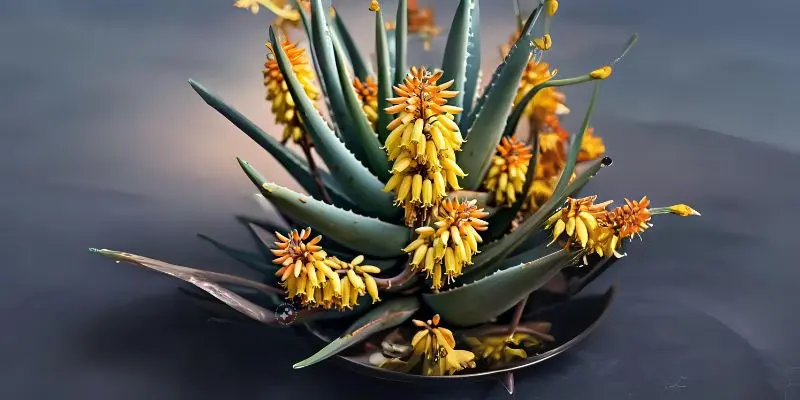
{"type": "Point", "coordinates": [517, 317]}
{"type": "Point", "coordinates": [397, 282]}
{"type": "Point", "coordinates": [312, 165]}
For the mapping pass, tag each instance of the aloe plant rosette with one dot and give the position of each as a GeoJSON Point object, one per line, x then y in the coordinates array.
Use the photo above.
{"type": "Point", "coordinates": [433, 221]}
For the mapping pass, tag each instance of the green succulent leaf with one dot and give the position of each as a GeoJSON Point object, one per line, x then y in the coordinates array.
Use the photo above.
{"type": "Point", "coordinates": [384, 75]}
{"type": "Point", "coordinates": [322, 39]}
{"type": "Point", "coordinates": [401, 42]}
{"type": "Point", "coordinates": [485, 299]}
{"type": "Point", "coordinates": [355, 179]}
{"type": "Point", "coordinates": [386, 315]}
{"type": "Point", "coordinates": [375, 156]}
{"type": "Point", "coordinates": [575, 143]}
{"type": "Point", "coordinates": [473, 71]}
{"type": "Point", "coordinates": [210, 282]}
{"type": "Point", "coordinates": [457, 50]}
{"type": "Point", "coordinates": [490, 115]}
{"type": "Point", "coordinates": [254, 261]}
{"type": "Point", "coordinates": [291, 161]}
{"type": "Point", "coordinates": [492, 255]}
{"type": "Point", "coordinates": [360, 65]}
{"type": "Point", "coordinates": [362, 234]}
{"type": "Point", "coordinates": [391, 40]}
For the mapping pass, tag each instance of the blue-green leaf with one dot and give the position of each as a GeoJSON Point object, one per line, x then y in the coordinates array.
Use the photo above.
{"type": "Point", "coordinates": [385, 316]}
{"type": "Point", "coordinates": [401, 42]}
{"type": "Point", "coordinates": [363, 234]}
{"type": "Point", "coordinates": [366, 189]}
{"type": "Point", "coordinates": [492, 256]}
{"type": "Point", "coordinates": [497, 293]}
{"type": "Point", "coordinates": [490, 115]}
{"type": "Point", "coordinates": [575, 143]}
{"type": "Point", "coordinates": [293, 163]}
{"type": "Point", "coordinates": [384, 76]}
{"type": "Point", "coordinates": [210, 282]}
{"type": "Point", "coordinates": [454, 63]}
{"type": "Point", "coordinates": [323, 52]}
{"type": "Point", "coordinates": [360, 65]}
{"type": "Point", "coordinates": [375, 156]}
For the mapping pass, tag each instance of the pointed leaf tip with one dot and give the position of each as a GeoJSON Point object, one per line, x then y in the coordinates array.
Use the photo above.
{"type": "Point", "coordinates": [493, 295]}
{"type": "Point", "coordinates": [385, 316]}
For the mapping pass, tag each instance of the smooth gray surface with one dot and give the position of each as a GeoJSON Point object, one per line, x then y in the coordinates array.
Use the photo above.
{"type": "Point", "coordinates": [104, 145]}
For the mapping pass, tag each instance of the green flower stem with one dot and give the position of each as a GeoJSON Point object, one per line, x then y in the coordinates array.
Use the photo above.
{"type": "Point", "coordinates": [660, 210]}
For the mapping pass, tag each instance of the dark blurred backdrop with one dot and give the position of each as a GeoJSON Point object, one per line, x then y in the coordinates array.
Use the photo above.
{"type": "Point", "coordinates": [103, 144]}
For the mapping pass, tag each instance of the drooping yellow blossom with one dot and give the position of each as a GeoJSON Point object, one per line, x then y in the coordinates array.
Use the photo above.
{"type": "Point", "coordinates": [592, 146]}
{"type": "Point", "coordinates": [541, 190]}
{"type": "Point", "coordinates": [307, 273]}
{"type": "Point", "coordinates": [422, 143]}
{"type": "Point", "coordinates": [602, 72]}
{"type": "Point", "coordinates": [577, 220]}
{"type": "Point", "coordinates": [252, 5]}
{"type": "Point", "coordinates": [551, 6]}
{"type": "Point", "coordinates": [602, 231]}
{"type": "Point", "coordinates": [506, 176]}
{"type": "Point", "coordinates": [285, 13]}
{"type": "Point", "coordinates": [283, 105]}
{"type": "Point", "coordinates": [444, 248]}
{"type": "Point", "coordinates": [374, 6]}
{"type": "Point", "coordinates": [367, 92]}
{"type": "Point", "coordinates": [498, 350]}
{"type": "Point", "coordinates": [435, 347]}
{"type": "Point", "coordinates": [357, 281]}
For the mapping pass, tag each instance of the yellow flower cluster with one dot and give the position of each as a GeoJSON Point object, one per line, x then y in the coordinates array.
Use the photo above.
{"type": "Point", "coordinates": [601, 231]}
{"type": "Point", "coordinates": [422, 143]}
{"type": "Point", "coordinates": [278, 93]}
{"type": "Point", "coordinates": [444, 248]}
{"type": "Point", "coordinates": [497, 350]}
{"type": "Point", "coordinates": [367, 92]}
{"type": "Point", "coordinates": [309, 274]}
{"type": "Point", "coordinates": [507, 174]}
{"type": "Point", "coordinates": [435, 347]}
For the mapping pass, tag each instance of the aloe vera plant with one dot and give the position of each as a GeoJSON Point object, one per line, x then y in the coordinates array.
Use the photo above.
{"type": "Point", "coordinates": [432, 209]}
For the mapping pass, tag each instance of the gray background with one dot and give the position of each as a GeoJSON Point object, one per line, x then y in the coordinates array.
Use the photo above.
{"type": "Point", "coordinates": [104, 145]}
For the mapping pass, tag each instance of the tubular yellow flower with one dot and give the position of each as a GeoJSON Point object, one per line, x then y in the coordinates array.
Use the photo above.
{"type": "Point", "coordinates": [422, 143]}
{"type": "Point", "coordinates": [302, 264]}
{"type": "Point", "coordinates": [602, 72]}
{"type": "Point", "coordinates": [541, 190]}
{"type": "Point", "coordinates": [551, 6]}
{"type": "Point", "coordinates": [278, 94]}
{"type": "Point", "coordinates": [591, 146]}
{"type": "Point", "coordinates": [443, 249]}
{"type": "Point", "coordinates": [435, 347]}
{"type": "Point", "coordinates": [683, 210]}
{"type": "Point", "coordinates": [356, 281]}
{"type": "Point", "coordinates": [367, 92]}
{"type": "Point", "coordinates": [506, 176]}
{"type": "Point", "coordinates": [317, 280]}
{"type": "Point", "coordinates": [374, 6]}
{"type": "Point", "coordinates": [497, 350]}
{"type": "Point", "coordinates": [543, 43]}
{"type": "Point", "coordinates": [578, 220]}
{"type": "Point", "coordinates": [252, 5]}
